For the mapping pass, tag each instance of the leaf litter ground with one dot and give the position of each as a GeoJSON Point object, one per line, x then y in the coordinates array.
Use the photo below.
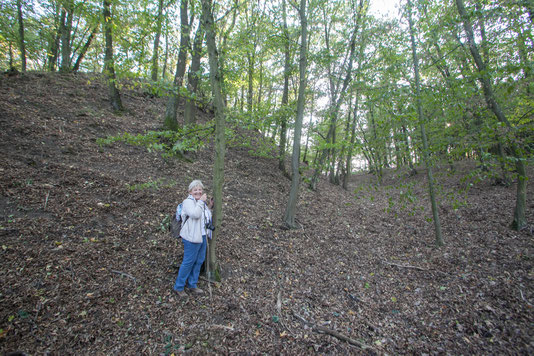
{"type": "Point", "coordinates": [88, 266]}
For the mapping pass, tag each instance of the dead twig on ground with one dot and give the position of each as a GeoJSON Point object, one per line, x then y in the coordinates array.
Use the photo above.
{"type": "Point", "coordinates": [46, 200]}
{"type": "Point", "coordinates": [217, 284]}
{"type": "Point", "coordinates": [413, 267]}
{"type": "Point", "coordinates": [279, 303]}
{"type": "Point", "coordinates": [231, 328]}
{"type": "Point", "coordinates": [336, 334]}
{"type": "Point", "coordinates": [125, 275]}
{"type": "Point", "coordinates": [523, 297]}
{"type": "Point", "coordinates": [406, 266]}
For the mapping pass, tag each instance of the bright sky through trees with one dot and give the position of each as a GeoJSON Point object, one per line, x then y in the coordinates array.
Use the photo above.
{"type": "Point", "coordinates": [388, 8]}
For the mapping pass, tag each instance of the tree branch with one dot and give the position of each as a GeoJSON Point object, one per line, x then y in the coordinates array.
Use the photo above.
{"type": "Point", "coordinates": [338, 335]}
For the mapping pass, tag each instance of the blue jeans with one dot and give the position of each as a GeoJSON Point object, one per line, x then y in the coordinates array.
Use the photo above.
{"type": "Point", "coordinates": [194, 256]}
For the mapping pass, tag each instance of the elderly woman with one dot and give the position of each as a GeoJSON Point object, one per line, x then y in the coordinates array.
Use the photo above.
{"type": "Point", "coordinates": [196, 214]}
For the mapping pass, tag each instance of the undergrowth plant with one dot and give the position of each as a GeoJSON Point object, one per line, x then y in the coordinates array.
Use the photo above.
{"type": "Point", "coordinates": [169, 143]}
{"type": "Point", "coordinates": [257, 146]}
{"type": "Point", "coordinates": [156, 185]}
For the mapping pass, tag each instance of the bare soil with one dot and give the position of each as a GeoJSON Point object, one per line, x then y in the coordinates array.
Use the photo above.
{"type": "Point", "coordinates": [88, 266]}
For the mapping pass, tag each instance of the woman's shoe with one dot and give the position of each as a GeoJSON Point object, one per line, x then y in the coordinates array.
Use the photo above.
{"type": "Point", "coordinates": [180, 293]}
{"type": "Point", "coordinates": [197, 291]}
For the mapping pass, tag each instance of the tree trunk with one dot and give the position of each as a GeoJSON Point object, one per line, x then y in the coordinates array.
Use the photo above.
{"type": "Point", "coordinates": [251, 57]}
{"type": "Point", "coordinates": [348, 162]}
{"type": "Point", "coordinates": [224, 46]}
{"type": "Point", "coordinates": [109, 67]}
{"type": "Point", "coordinates": [85, 48]}
{"type": "Point", "coordinates": [309, 129]}
{"type": "Point", "coordinates": [170, 121]}
{"type": "Point", "coordinates": [289, 218]}
{"type": "Point", "coordinates": [435, 213]}
{"type": "Point", "coordinates": [155, 55]}
{"type": "Point", "coordinates": [166, 57]}
{"type": "Point", "coordinates": [375, 145]}
{"type": "Point", "coordinates": [407, 155]}
{"type": "Point", "coordinates": [337, 98]}
{"type": "Point", "coordinates": [519, 221]}
{"type": "Point", "coordinates": [54, 42]}
{"type": "Point", "coordinates": [193, 77]}
{"type": "Point", "coordinates": [220, 117]}
{"type": "Point", "coordinates": [66, 29]}
{"type": "Point", "coordinates": [260, 84]}
{"type": "Point", "coordinates": [22, 42]}
{"type": "Point", "coordinates": [341, 165]}
{"type": "Point", "coordinates": [285, 94]}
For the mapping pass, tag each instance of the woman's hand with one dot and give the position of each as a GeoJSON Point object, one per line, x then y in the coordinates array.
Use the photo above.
{"type": "Point", "coordinates": [204, 197]}
{"type": "Point", "coordinates": [210, 203]}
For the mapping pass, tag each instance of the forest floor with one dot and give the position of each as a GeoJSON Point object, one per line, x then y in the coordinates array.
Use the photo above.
{"type": "Point", "coordinates": [88, 266]}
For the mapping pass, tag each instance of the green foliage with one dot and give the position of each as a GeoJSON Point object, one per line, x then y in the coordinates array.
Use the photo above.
{"type": "Point", "coordinates": [169, 143]}
{"type": "Point", "coordinates": [243, 131]}
{"type": "Point", "coordinates": [165, 223]}
{"type": "Point", "coordinates": [458, 123]}
{"type": "Point", "coordinates": [155, 185]}
{"type": "Point", "coordinates": [402, 197]}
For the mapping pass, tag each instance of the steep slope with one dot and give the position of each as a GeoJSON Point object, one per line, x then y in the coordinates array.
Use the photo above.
{"type": "Point", "coordinates": [88, 266]}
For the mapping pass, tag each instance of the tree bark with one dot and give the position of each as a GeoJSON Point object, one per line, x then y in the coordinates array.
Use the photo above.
{"type": "Point", "coordinates": [519, 221]}
{"type": "Point", "coordinates": [166, 57]}
{"type": "Point", "coordinates": [220, 118]}
{"type": "Point", "coordinates": [435, 213]}
{"type": "Point", "coordinates": [289, 218]}
{"type": "Point", "coordinates": [285, 94]}
{"type": "Point", "coordinates": [193, 77]}
{"type": "Point", "coordinates": [109, 67]}
{"type": "Point", "coordinates": [170, 121]}
{"type": "Point", "coordinates": [155, 55]}
{"type": "Point", "coordinates": [66, 29]}
{"type": "Point", "coordinates": [22, 42]}
{"type": "Point", "coordinates": [309, 129]}
{"type": "Point", "coordinates": [85, 48]}
{"type": "Point", "coordinates": [54, 42]}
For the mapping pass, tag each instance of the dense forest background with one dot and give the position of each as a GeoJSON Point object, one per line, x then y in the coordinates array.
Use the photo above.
{"type": "Point", "coordinates": [474, 64]}
{"type": "Point", "coordinates": [425, 119]}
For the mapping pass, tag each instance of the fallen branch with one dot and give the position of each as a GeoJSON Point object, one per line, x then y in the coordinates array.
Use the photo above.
{"type": "Point", "coordinates": [46, 200]}
{"type": "Point", "coordinates": [279, 303]}
{"type": "Point", "coordinates": [406, 266]}
{"type": "Point", "coordinates": [217, 284]}
{"type": "Point", "coordinates": [125, 275]}
{"type": "Point", "coordinates": [336, 334]}
{"type": "Point", "coordinates": [223, 327]}
{"type": "Point", "coordinates": [523, 297]}
{"type": "Point", "coordinates": [414, 267]}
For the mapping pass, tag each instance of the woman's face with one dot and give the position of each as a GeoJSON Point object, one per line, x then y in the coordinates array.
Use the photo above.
{"type": "Point", "coordinates": [196, 192]}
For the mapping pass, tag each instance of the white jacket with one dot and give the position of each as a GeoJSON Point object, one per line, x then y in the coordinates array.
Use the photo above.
{"type": "Point", "coordinates": [195, 226]}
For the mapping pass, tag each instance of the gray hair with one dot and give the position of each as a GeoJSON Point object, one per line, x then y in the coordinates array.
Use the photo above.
{"type": "Point", "coordinates": [194, 184]}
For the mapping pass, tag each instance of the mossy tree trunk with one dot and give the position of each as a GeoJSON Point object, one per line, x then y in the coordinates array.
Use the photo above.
{"type": "Point", "coordinates": [109, 67]}
{"type": "Point", "coordinates": [220, 118]}
{"type": "Point", "coordinates": [289, 218]}
{"type": "Point", "coordinates": [519, 221]}
{"type": "Point", "coordinates": [285, 93]}
{"type": "Point", "coordinates": [170, 121]}
{"type": "Point", "coordinates": [22, 44]}
{"type": "Point", "coordinates": [193, 77]}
